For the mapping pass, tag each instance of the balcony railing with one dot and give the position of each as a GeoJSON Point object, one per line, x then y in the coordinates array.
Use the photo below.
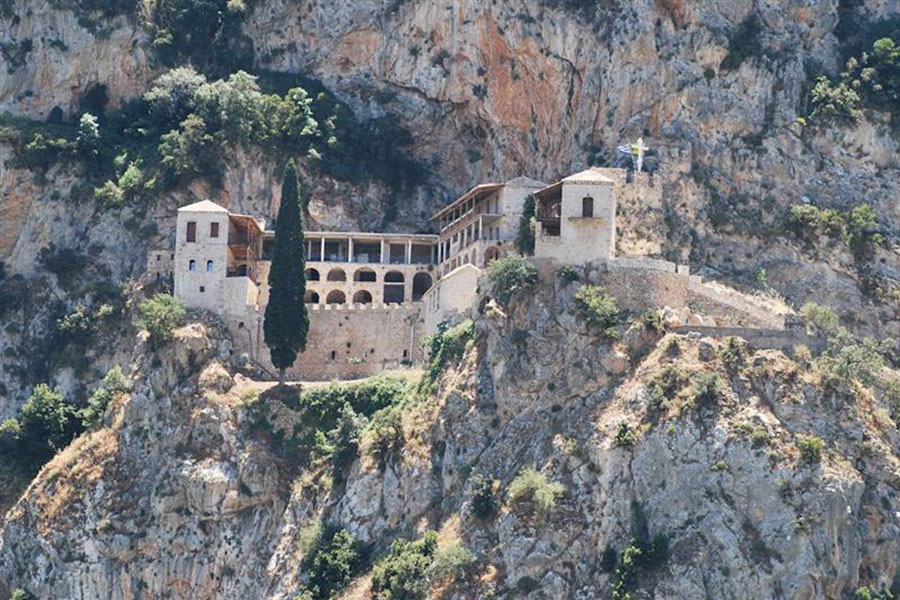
{"type": "Point", "coordinates": [239, 238]}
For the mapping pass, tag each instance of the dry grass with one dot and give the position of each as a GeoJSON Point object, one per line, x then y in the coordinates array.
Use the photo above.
{"type": "Point", "coordinates": [66, 478]}
{"type": "Point", "coordinates": [359, 589]}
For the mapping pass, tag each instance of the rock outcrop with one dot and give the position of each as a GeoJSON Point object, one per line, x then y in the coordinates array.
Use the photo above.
{"type": "Point", "coordinates": [178, 497]}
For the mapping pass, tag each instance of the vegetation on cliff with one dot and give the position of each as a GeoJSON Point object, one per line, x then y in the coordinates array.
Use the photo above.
{"type": "Point", "coordinates": [187, 127]}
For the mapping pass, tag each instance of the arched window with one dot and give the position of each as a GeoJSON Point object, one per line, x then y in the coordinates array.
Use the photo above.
{"type": "Point", "coordinates": [312, 275]}
{"type": "Point", "coordinates": [311, 297]}
{"type": "Point", "coordinates": [335, 297]}
{"type": "Point", "coordinates": [209, 265]}
{"type": "Point", "coordinates": [394, 290]}
{"type": "Point", "coordinates": [362, 297]}
{"type": "Point", "coordinates": [192, 265]}
{"type": "Point", "coordinates": [337, 275]}
{"type": "Point", "coordinates": [587, 207]}
{"type": "Point", "coordinates": [421, 283]}
{"type": "Point", "coordinates": [364, 275]}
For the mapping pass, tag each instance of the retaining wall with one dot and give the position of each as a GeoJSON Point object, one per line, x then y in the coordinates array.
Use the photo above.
{"type": "Point", "coordinates": [759, 338]}
{"type": "Point", "coordinates": [344, 342]}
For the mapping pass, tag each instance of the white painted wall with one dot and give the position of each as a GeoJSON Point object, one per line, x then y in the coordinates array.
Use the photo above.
{"type": "Point", "coordinates": [582, 240]}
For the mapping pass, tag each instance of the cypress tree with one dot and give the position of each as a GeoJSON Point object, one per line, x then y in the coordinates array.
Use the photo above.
{"type": "Point", "coordinates": [287, 321]}
{"type": "Point", "coordinates": [525, 237]}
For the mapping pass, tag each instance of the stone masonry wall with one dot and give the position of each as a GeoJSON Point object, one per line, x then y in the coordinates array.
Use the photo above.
{"type": "Point", "coordinates": [344, 342]}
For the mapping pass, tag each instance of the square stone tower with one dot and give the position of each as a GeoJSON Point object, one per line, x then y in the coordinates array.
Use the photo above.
{"type": "Point", "coordinates": [201, 255]}
{"type": "Point", "coordinates": [576, 219]}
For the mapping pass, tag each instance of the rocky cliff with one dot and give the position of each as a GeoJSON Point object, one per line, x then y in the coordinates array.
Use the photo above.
{"type": "Point", "coordinates": [180, 495]}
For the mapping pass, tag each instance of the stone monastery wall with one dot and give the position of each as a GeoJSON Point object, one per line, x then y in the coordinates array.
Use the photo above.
{"type": "Point", "coordinates": [345, 341]}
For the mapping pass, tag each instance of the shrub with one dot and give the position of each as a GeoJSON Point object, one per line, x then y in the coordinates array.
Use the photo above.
{"type": "Point", "coordinates": [452, 564]}
{"type": "Point", "coordinates": [190, 150]}
{"type": "Point", "coordinates": [598, 309]}
{"type": "Point", "coordinates": [384, 436]}
{"type": "Point", "coordinates": [334, 561]}
{"type": "Point", "coordinates": [323, 407]}
{"type": "Point", "coordinates": [624, 435]}
{"type": "Point", "coordinates": [846, 360]}
{"type": "Point", "coordinates": [42, 150]}
{"type": "Point", "coordinates": [76, 326]}
{"type": "Point", "coordinates": [511, 275]}
{"type": "Point", "coordinates": [160, 315]}
{"type": "Point", "coordinates": [734, 352]}
{"type": "Point", "coordinates": [706, 388]}
{"type": "Point", "coordinates": [835, 101]}
{"type": "Point", "coordinates": [109, 195]}
{"type": "Point", "coordinates": [114, 384]}
{"type": "Point", "coordinates": [445, 346]}
{"type": "Point", "coordinates": [652, 320]}
{"type": "Point", "coordinates": [819, 319]}
{"type": "Point", "coordinates": [533, 487]}
{"type": "Point", "coordinates": [20, 594]}
{"type": "Point", "coordinates": [402, 574]}
{"type": "Point", "coordinates": [484, 502]}
{"type": "Point", "coordinates": [88, 140]}
{"type": "Point", "coordinates": [871, 79]}
{"type": "Point", "coordinates": [566, 274]}
{"type": "Point", "coordinates": [810, 448]}
{"type": "Point", "coordinates": [867, 593]}
{"type": "Point", "coordinates": [45, 424]}
{"type": "Point", "coordinates": [639, 554]}
{"type": "Point", "coordinates": [860, 231]}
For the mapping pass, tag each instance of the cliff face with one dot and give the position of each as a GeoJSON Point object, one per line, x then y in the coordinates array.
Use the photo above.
{"type": "Point", "coordinates": [179, 496]}
{"type": "Point", "coordinates": [493, 91]}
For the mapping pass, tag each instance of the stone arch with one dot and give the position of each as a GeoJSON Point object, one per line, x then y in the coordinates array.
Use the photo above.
{"type": "Point", "coordinates": [335, 297]}
{"type": "Point", "coordinates": [312, 274]}
{"type": "Point", "coordinates": [209, 265]}
{"type": "Point", "coordinates": [311, 297]}
{"type": "Point", "coordinates": [362, 297]}
{"type": "Point", "coordinates": [491, 254]}
{"type": "Point", "coordinates": [394, 288]}
{"type": "Point", "coordinates": [192, 265]}
{"type": "Point", "coordinates": [364, 274]}
{"type": "Point", "coordinates": [337, 275]}
{"type": "Point", "coordinates": [421, 282]}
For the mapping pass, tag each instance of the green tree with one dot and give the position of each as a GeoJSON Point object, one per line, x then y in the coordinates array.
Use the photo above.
{"type": "Point", "coordinates": [335, 562]}
{"type": "Point", "coordinates": [159, 316]}
{"type": "Point", "coordinates": [402, 574]}
{"type": "Point", "coordinates": [287, 322]}
{"type": "Point", "coordinates": [190, 150]}
{"type": "Point", "coordinates": [525, 236]}
{"type": "Point", "coordinates": [45, 425]}
{"type": "Point", "coordinates": [114, 384]}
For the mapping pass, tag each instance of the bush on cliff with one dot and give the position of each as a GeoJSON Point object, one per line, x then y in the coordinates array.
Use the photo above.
{"type": "Point", "coordinates": [114, 385]}
{"type": "Point", "coordinates": [160, 316]}
{"type": "Point", "coordinates": [531, 487]}
{"type": "Point", "coordinates": [509, 276]}
{"type": "Point", "coordinates": [598, 309]}
{"type": "Point", "coordinates": [402, 574]}
{"type": "Point", "coordinates": [445, 346]}
{"type": "Point", "coordinates": [45, 425]}
{"type": "Point", "coordinates": [335, 559]}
